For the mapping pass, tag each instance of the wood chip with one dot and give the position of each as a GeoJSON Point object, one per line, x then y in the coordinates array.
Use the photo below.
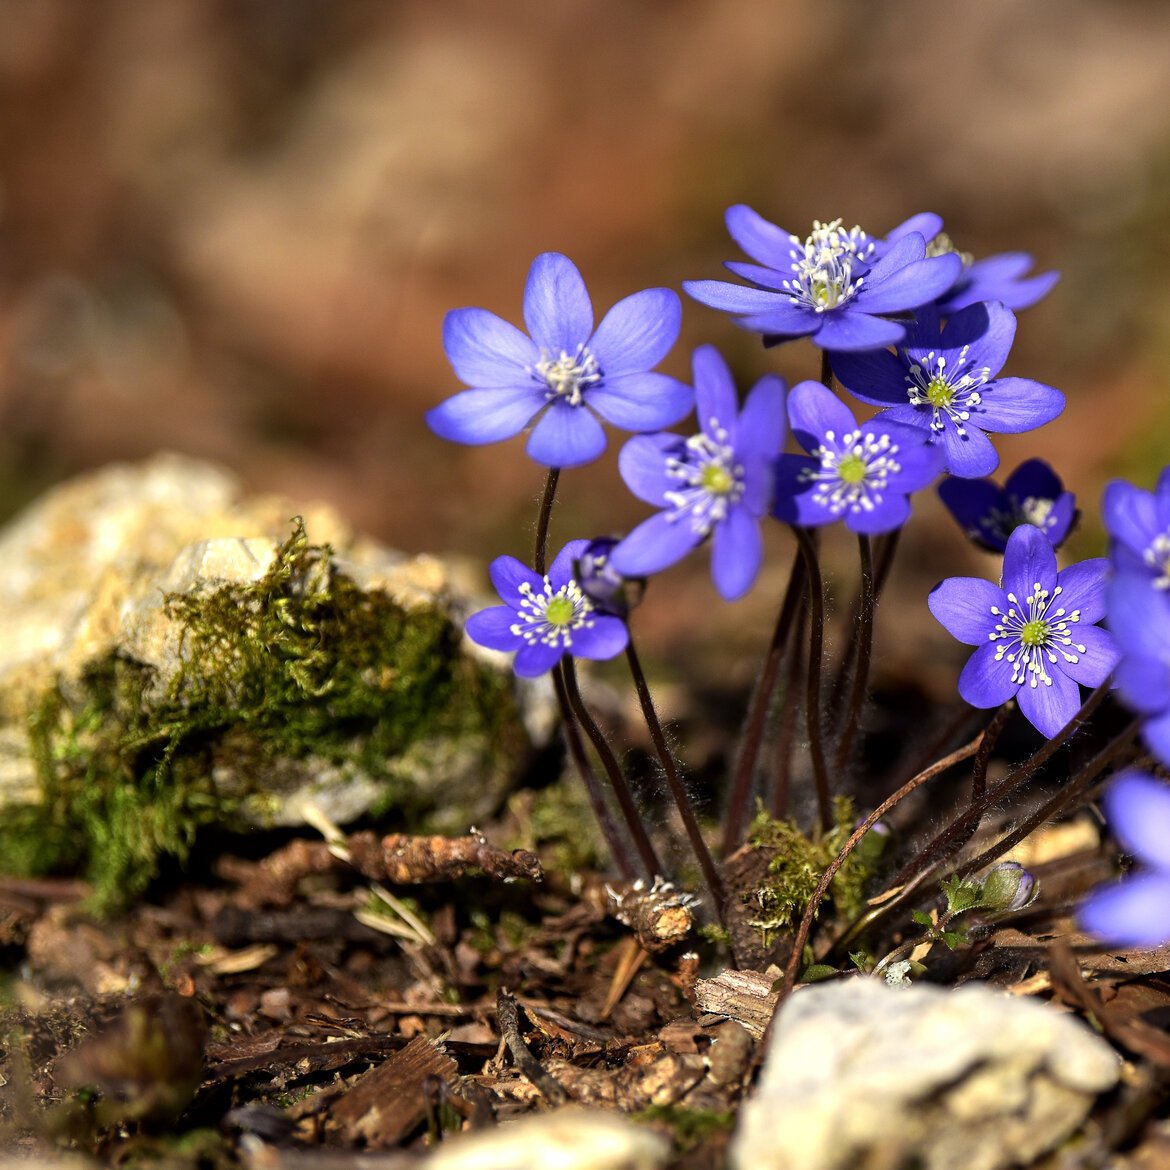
{"type": "Point", "coordinates": [390, 1100]}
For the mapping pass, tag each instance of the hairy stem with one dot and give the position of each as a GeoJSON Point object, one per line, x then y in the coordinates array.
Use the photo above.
{"type": "Point", "coordinates": [619, 846]}
{"type": "Point", "coordinates": [613, 770]}
{"type": "Point", "coordinates": [816, 641]}
{"type": "Point", "coordinates": [761, 700]}
{"type": "Point", "coordinates": [959, 831]}
{"type": "Point", "coordinates": [863, 642]}
{"type": "Point", "coordinates": [674, 781]}
{"type": "Point", "coordinates": [540, 554]}
{"type": "Point", "coordinates": [810, 913]}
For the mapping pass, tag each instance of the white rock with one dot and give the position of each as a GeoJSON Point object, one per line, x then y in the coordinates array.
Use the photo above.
{"type": "Point", "coordinates": [566, 1139]}
{"type": "Point", "coordinates": [859, 1074]}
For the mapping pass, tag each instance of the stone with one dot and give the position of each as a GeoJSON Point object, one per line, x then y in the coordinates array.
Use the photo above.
{"type": "Point", "coordinates": [861, 1076]}
{"type": "Point", "coordinates": [174, 654]}
{"type": "Point", "coordinates": [565, 1139]}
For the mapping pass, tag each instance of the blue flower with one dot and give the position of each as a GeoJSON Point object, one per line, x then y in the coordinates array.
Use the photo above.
{"type": "Point", "coordinates": [1139, 619]}
{"type": "Point", "coordinates": [602, 583]}
{"type": "Point", "coordinates": [989, 514]}
{"type": "Point", "coordinates": [1135, 912]}
{"type": "Point", "coordinates": [946, 384]}
{"type": "Point", "coordinates": [567, 373]}
{"type": "Point", "coordinates": [1139, 523]}
{"type": "Point", "coordinates": [994, 278]}
{"type": "Point", "coordinates": [1036, 635]}
{"type": "Point", "coordinates": [544, 618]}
{"type": "Point", "coordinates": [717, 483]}
{"type": "Point", "coordinates": [862, 474]}
{"type": "Point", "coordinates": [831, 286]}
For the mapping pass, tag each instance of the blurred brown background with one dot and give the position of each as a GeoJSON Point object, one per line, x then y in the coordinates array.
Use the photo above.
{"type": "Point", "coordinates": [232, 227]}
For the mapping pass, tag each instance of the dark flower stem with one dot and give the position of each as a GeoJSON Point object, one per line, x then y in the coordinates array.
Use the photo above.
{"type": "Point", "coordinates": [1070, 791]}
{"type": "Point", "coordinates": [826, 370]}
{"type": "Point", "coordinates": [617, 780]}
{"type": "Point", "coordinates": [959, 831]}
{"type": "Point", "coordinates": [674, 781]}
{"type": "Point", "coordinates": [540, 555]}
{"type": "Point", "coordinates": [810, 913]}
{"type": "Point", "coordinates": [863, 641]}
{"type": "Point", "coordinates": [979, 771]}
{"type": "Point", "coordinates": [789, 717]}
{"type": "Point", "coordinates": [761, 701]}
{"type": "Point", "coordinates": [619, 846]}
{"type": "Point", "coordinates": [816, 641]}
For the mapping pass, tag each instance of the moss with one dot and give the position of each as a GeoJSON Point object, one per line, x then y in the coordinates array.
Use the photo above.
{"type": "Point", "coordinates": [302, 663]}
{"type": "Point", "coordinates": [797, 866]}
{"type": "Point", "coordinates": [690, 1128]}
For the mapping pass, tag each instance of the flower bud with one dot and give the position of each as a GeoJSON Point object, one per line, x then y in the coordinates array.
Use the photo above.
{"type": "Point", "coordinates": [1008, 887]}
{"type": "Point", "coordinates": [609, 591]}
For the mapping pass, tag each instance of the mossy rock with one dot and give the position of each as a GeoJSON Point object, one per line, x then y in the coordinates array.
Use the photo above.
{"type": "Point", "coordinates": [248, 677]}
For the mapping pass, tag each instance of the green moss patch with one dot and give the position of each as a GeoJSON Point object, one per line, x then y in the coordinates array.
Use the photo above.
{"type": "Point", "coordinates": [302, 663]}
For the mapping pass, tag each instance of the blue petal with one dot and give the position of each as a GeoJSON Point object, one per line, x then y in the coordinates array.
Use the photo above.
{"type": "Point", "coordinates": [1134, 912]}
{"type": "Point", "coordinates": [508, 575]}
{"type": "Point", "coordinates": [557, 309]}
{"type": "Point", "coordinates": [735, 298]}
{"type": "Point", "coordinates": [566, 436]}
{"type": "Point", "coordinates": [986, 681]}
{"type": "Point", "coordinates": [851, 329]}
{"type": "Point", "coordinates": [485, 416]}
{"type": "Point", "coordinates": [1028, 560]}
{"type": "Point", "coordinates": [641, 402]}
{"type": "Point", "coordinates": [1082, 586]}
{"type": "Point", "coordinates": [985, 331]}
{"type": "Point", "coordinates": [962, 605]}
{"type": "Point", "coordinates": [1012, 405]}
{"type": "Point", "coordinates": [1129, 514]}
{"type": "Point", "coordinates": [761, 422]}
{"type": "Point", "coordinates": [916, 284]}
{"type": "Point", "coordinates": [874, 376]}
{"type": "Point", "coordinates": [654, 545]}
{"type": "Point", "coordinates": [716, 402]}
{"type": "Point", "coordinates": [813, 411]}
{"type": "Point", "coordinates": [792, 502]}
{"type": "Point", "coordinates": [891, 512]}
{"type": "Point", "coordinates": [970, 455]}
{"type": "Point", "coordinates": [485, 350]}
{"type": "Point", "coordinates": [1049, 706]}
{"type": "Point", "coordinates": [761, 240]}
{"type": "Point", "coordinates": [638, 332]}
{"type": "Point", "coordinates": [1156, 734]}
{"type": "Point", "coordinates": [642, 464]}
{"type": "Point", "coordinates": [1137, 807]}
{"type": "Point", "coordinates": [972, 502]}
{"type": "Point", "coordinates": [1096, 662]}
{"type": "Point", "coordinates": [926, 223]}
{"type": "Point", "coordinates": [536, 658]}
{"type": "Point", "coordinates": [493, 628]}
{"type": "Point", "coordinates": [1139, 615]}
{"type": "Point", "coordinates": [606, 638]}
{"type": "Point", "coordinates": [773, 278]}
{"type": "Point", "coordinates": [783, 320]}
{"type": "Point", "coordinates": [1144, 683]}
{"type": "Point", "coordinates": [1033, 478]}
{"type": "Point", "coordinates": [907, 249]}
{"type": "Point", "coordinates": [737, 550]}
{"type": "Point", "coordinates": [563, 568]}
{"type": "Point", "coordinates": [921, 460]}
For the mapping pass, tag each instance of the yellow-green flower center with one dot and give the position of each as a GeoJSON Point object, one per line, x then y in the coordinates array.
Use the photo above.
{"type": "Point", "coordinates": [940, 392]}
{"type": "Point", "coordinates": [851, 469]}
{"type": "Point", "coordinates": [1034, 633]}
{"type": "Point", "coordinates": [560, 611]}
{"type": "Point", "coordinates": [717, 479]}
